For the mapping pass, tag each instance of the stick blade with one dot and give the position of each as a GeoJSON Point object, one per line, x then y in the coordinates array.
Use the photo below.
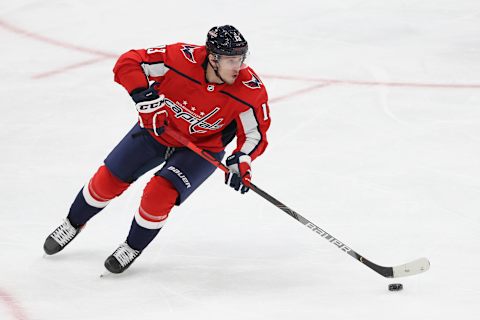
{"type": "Point", "coordinates": [411, 268]}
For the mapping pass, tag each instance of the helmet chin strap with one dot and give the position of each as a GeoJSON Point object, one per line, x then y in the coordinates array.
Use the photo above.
{"type": "Point", "coordinates": [215, 69]}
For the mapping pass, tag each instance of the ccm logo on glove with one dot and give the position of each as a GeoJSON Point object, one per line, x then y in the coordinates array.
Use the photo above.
{"type": "Point", "coordinates": [150, 107]}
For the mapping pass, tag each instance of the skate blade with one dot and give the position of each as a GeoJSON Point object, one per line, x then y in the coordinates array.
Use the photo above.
{"type": "Point", "coordinates": [105, 274]}
{"type": "Point", "coordinates": [108, 274]}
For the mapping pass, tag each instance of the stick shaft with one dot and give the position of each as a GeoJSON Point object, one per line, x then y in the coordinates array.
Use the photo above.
{"type": "Point", "coordinates": [417, 266]}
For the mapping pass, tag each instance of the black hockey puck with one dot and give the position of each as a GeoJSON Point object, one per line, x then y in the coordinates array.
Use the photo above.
{"type": "Point", "coordinates": [395, 287]}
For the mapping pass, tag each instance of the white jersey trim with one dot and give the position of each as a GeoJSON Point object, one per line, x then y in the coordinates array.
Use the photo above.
{"type": "Point", "coordinates": [155, 69]}
{"type": "Point", "coordinates": [251, 130]}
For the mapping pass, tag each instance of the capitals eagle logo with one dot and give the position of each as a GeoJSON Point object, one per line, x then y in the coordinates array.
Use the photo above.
{"type": "Point", "coordinates": [188, 52]}
{"type": "Point", "coordinates": [253, 83]}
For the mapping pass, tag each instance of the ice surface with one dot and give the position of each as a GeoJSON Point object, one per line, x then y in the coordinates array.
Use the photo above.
{"type": "Point", "coordinates": [375, 137]}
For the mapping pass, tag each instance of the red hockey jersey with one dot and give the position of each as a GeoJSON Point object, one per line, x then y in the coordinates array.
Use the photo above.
{"type": "Point", "coordinates": [210, 114]}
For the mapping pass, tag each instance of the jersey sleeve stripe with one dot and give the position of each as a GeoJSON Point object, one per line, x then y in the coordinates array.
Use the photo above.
{"type": "Point", "coordinates": [157, 69]}
{"type": "Point", "coordinates": [254, 136]}
{"type": "Point", "coordinates": [250, 128]}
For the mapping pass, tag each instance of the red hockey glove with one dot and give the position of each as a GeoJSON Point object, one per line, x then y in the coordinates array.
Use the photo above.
{"type": "Point", "coordinates": [240, 171]}
{"type": "Point", "coordinates": [151, 108]}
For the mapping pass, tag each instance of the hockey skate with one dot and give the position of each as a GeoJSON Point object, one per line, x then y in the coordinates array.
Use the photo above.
{"type": "Point", "coordinates": [60, 237]}
{"type": "Point", "coordinates": [121, 259]}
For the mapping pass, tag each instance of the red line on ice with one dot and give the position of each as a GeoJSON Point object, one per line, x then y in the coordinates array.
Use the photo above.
{"type": "Point", "coordinates": [379, 83]}
{"type": "Point", "coordinates": [13, 306]}
{"type": "Point", "coordinates": [323, 82]}
{"type": "Point", "coordinates": [298, 92]}
{"type": "Point", "coordinates": [67, 68]}
{"type": "Point", "coordinates": [54, 42]}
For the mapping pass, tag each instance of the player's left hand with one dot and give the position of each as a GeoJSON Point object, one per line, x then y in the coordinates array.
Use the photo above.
{"type": "Point", "coordinates": [240, 172]}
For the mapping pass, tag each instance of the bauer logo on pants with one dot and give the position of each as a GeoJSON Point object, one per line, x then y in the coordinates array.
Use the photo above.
{"type": "Point", "coordinates": [181, 176]}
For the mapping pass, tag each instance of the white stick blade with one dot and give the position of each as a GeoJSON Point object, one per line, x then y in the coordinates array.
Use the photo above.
{"type": "Point", "coordinates": [409, 269]}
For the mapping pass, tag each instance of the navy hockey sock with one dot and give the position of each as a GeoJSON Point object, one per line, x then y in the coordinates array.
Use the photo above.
{"type": "Point", "coordinates": [80, 211]}
{"type": "Point", "coordinates": [139, 237]}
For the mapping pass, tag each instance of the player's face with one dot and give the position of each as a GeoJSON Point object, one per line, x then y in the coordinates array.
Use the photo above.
{"type": "Point", "coordinates": [229, 67]}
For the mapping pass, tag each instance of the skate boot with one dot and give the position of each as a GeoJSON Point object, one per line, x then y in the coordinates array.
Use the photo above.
{"type": "Point", "coordinates": [121, 259]}
{"type": "Point", "coordinates": [60, 237]}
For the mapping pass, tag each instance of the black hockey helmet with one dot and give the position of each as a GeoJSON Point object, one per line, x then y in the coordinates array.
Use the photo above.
{"type": "Point", "coordinates": [226, 40]}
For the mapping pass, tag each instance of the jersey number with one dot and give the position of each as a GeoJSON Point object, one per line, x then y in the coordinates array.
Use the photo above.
{"type": "Point", "coordinates": [265, 112]}
{"type": "Point", "coordinates": [160, 49]}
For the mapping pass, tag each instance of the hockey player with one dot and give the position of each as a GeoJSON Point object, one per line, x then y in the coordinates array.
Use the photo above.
{"type": "Point", "coordinates": [208, 94]}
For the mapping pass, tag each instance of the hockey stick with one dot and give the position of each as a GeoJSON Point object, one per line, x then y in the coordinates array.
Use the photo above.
{"type": "Point", "coordinates": [408, 269]}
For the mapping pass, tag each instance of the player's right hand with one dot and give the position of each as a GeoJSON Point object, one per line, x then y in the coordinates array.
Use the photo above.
{"type": "Point", "coordinates": [151, 108]}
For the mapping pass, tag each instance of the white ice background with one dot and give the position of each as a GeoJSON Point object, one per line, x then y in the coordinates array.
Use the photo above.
{"type": "Point", "coordinates": [385, 156]}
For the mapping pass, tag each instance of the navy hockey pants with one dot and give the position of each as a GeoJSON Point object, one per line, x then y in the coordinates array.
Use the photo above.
{"type": "Point", "coordinates": [138, 152]}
